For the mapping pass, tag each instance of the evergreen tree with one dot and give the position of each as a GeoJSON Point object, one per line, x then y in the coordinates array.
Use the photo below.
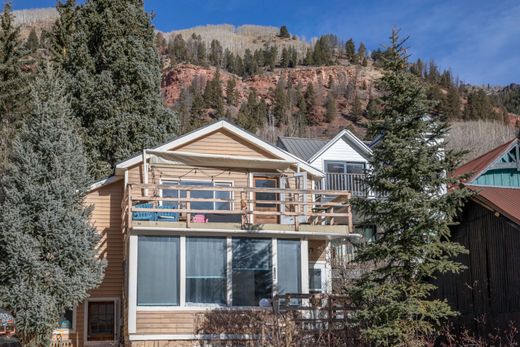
{"type": "Point", "coordinates": [213, 94]}
{"type": "Point", "coordinates": [309, 59]}
{"type": "Point", "coordinates": [47, 243]}
{"type": "Point", "coordinates": [313, 117]}
{"type": "Point", "coordinates": [479, 106]}
{"type": "Point", "coordinates": [14, 83]}
{"type": "Point", "coordinates": [252, 113]}
{"type": "Point", "coordinates": [250, 65]}
{"type": "Point", "coordinates": [453, 104]}
{"type": "Point", "coordinates": [350, 50]}
{"type": "Point", "coordinates": [357, 109]}
{"type": "Point", "coordinates": [216, 54]}
{"type": "Point", "coordinates": [177, 49]}
{"type": "Point", "coordinates": [330, 106]}
{"type": "Point", "coordinates": [284, 33]}
{"type": "Point", "coordinates": [362, 52]}
{"type": "Point", "coordinates": [231, 93]}
{"type": "Point", "coordinates": [32, 43]}
{"type": "Point", "coordinates": [409, 167]}
{"type": "Point", "coordinates": [229, 61]}
{"type": "Point", "coordinates": [63, 32]}
{"type": "Point", "coordinates": [284, 61]}
{"type": "Point", "coordinates": [280, 105]}
{"type": "Point", "coordinates": [115, 82]}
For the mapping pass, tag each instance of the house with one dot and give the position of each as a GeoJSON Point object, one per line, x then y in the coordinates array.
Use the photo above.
{"type": "Point", "coordinates": [489, 227]}
{"type": "Point", "coordinates": [344, 160]}
{"type": "Point", "coordinates": [215, 219]}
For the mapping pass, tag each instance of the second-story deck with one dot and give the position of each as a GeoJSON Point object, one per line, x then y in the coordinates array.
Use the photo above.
{"type": "Point", "coordinates": [230, 208]}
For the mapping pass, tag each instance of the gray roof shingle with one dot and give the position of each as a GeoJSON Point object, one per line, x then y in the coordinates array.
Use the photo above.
{"type": "Point", "coordinates": [301, 147]}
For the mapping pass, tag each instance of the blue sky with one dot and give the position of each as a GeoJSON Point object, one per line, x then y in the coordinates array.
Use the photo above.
{"type": "Point", "coordinates": [478, 39]}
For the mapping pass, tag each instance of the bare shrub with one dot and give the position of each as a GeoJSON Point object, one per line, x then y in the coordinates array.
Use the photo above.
{"type": "Point", "coordinates": [478, 137]}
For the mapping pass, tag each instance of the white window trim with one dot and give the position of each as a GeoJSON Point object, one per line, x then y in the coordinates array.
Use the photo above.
{"type": "Point", "coordinates": [132, 297]}
{"type": "Point", "coordinates": [116, 321]}
{"type": "Point", "coordinates": [177, 180]}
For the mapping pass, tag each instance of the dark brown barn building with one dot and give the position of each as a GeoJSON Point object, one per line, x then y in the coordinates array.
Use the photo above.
{"type": "Point", "coordinates": [489, 227]}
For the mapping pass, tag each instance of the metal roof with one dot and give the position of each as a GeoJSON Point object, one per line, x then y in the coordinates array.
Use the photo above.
{"type": "Point", "coordinates": [475, 167]}
{"type": "Point", "coordinates": [301, 147]}
{"type": "Point", "coordinates": [505, 201]}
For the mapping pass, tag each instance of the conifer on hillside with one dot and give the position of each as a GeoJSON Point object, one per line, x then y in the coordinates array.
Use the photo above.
{"type": "Point", "coordinates": [409, 166]}
{"type": "Point", "coordinates": [115, 80]}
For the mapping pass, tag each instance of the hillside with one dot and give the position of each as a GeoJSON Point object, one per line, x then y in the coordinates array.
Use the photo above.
{"type": "Point", "coordinates": [288, 85]}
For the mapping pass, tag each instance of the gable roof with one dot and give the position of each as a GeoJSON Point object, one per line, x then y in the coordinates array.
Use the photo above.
{"type": "Point", "coordinates": [223, 125]}
{"type": "Point", "coordinates": [301, 147]}
{"type": "Point", "coordinates": [478, 165]}
{"type": "Point", "coordinates": [503, 200]}
{"type": "Point", "coordinates": [362, 148]}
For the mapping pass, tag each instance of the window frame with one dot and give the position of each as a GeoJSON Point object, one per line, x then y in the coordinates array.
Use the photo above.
{"type": "Point", "coordinates": [345, 164]}
{"type": "Point", "coordinates": [183, 305]}
{"type": "Point", "coordinates": [168, 181]}
{"type": "Point", "coordinates": [116, 301]}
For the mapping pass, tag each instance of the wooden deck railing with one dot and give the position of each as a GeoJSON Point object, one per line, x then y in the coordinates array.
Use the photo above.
{"type": "Point", "coordinates": [285, 205]}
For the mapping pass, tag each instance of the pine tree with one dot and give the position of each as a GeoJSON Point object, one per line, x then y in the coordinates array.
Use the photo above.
{"type": "Point", "coordinates": [284, 61]}
{"type": "Point", "coordinates": [409, 167]}
{"type": "Point", "coordinates": [252, 113]}
{"type": "Point", "coordinates": [14, 82]}
{"type": "Point", "coordinates": [47, 243]}
{"type": "Point", "coordinates": [63, 32]}
{"type": "Point", "coordinates": [284, 33]}
{"type": "Point", "coordinates": [280, 106]}
{"type": "Point", "coordinates": [213, 94]}
{"type": "Point", "coordinates": [115, 82]}
{"type": "Point", "coordinates": [231, 94]}
{"type": "Point", "coordinates": [330, 106]}
{"type": "Point", "coordinates": [216, 54]}
{"type": "Point", "coordinates": [310, 100]}
{"type": "Point", "coordinates": [350, 50]}
{"type": "Point", "coordinates": [362, 52]}
{"type": "Point", "coordinates": [357, 109]}
{"type": "Point", "coordinates": [250, 65]}
{"type": "Point", "coordinates": [32, 43]}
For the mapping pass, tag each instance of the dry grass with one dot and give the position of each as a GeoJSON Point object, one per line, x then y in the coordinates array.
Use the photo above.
{"type": "Point", "coordinates": [238, 39]}
{"type": "Point", "coordinates": [478, 137]}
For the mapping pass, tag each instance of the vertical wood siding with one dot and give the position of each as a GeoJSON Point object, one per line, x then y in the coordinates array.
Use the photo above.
{"type": "Point", "coordinates": [490, 285]}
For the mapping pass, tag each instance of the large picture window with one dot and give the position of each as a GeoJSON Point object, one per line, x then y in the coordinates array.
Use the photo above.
{"type": "Point", "coordinates": [201, 194]}
{"type": "Point", "coordinates": [205, 270]}
{"type": "Point", "coordinates": [252, 271]}
{"type": "Point", "coordinates": [158, 271]}
{"type": "Point", "coordinates": [289, 266]}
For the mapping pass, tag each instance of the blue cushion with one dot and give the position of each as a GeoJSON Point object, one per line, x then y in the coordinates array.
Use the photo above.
{"type": "Point", "coordinates": [143, 215]}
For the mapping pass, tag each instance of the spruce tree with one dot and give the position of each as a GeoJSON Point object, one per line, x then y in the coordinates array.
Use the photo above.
{"type": "Point", "coordinates": [409, 171]}
{"type": "Point", "coordinates": [32, 43]}
{"type": "Point", "coordinates": [280, 102]}
{"type": "Point", "coordinates": [350, 50]}
{"type": "Point", "coordinates": [284, 33]}
{"type": "Point", "coordinates": [362, 52]}
{"type": "Point", "coordinates": [47, 244]}
{"type": "Point", "coordinates": [357, 108]}
{"type": "Point", "coordinates": [216, 54]}
{"type": "Point", "coordinates": [330, 106]}
{"type": "Point", "coordinates": [63, 31]}
{"type": "Point", "coordinates": [115, 81]}
{"type": "Point", "coordinates": [14, 82]}
{"type": "Point", "coordinates": [231, 93]}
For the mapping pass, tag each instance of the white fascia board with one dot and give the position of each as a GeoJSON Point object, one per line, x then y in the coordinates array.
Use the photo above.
{"type": "Point", "coordinates": [338, 137]}
{"type": "Point", "coordinates": [233, 129]}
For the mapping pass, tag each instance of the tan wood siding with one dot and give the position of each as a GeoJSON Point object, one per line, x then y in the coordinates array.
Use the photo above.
{"type": "Point", "coordinates": [223, 142]}
{"type": "Point", "coordinates": [163, 322]}
{"type": "Point", "coordinates": [106, 217]}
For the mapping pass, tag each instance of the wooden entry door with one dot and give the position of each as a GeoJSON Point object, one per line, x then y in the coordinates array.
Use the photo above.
{"type": "Point", "coordinates": [268, 206]}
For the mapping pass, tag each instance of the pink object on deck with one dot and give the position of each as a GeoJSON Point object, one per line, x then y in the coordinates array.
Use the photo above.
{"type": "Point", "coordinates": [199, 218]}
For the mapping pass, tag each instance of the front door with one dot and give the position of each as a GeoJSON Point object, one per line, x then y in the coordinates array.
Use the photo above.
{"type": "Point", "coordinates": [265, 201]}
